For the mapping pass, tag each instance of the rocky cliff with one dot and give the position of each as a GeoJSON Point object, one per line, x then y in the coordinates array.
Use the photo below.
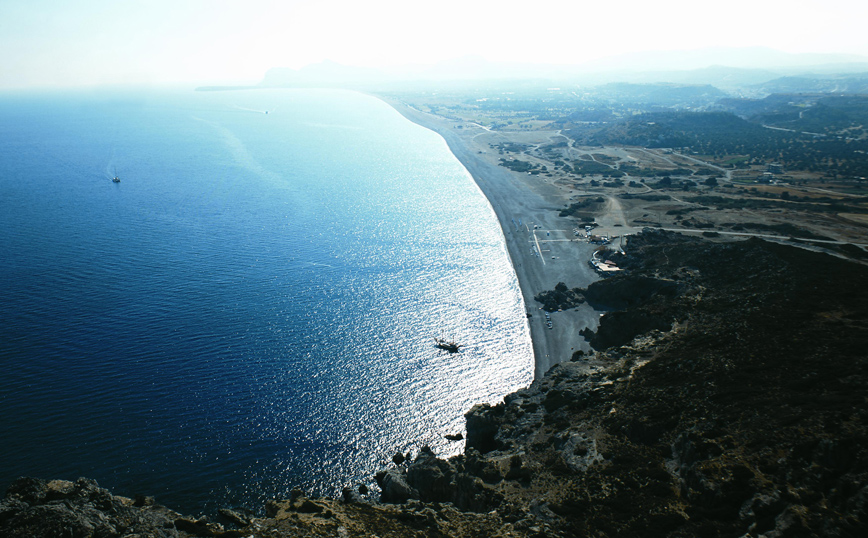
{"type": "Point", "coordinates": [727, 397]}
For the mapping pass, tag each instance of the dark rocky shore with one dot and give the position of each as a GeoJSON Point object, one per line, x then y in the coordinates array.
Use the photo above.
{"type": "Point", "coordinates": [727, 398]}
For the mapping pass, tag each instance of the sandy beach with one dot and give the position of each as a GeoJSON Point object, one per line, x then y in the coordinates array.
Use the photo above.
{"type": "Point", "coordinates": [541, 245]}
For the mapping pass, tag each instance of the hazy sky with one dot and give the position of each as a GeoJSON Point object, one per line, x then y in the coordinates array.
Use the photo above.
{"type": "Point", "coordinates": [90, 42]}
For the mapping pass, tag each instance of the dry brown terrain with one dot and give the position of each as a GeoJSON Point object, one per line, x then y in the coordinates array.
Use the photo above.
{"type": "Point", "coordinates": [630, 205]}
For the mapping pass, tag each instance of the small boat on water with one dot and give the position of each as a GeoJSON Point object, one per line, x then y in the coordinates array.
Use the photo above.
{"type": "Point", "coordinates": [451, 347]}
{"type": "Point", "coordinates": [116, 179]}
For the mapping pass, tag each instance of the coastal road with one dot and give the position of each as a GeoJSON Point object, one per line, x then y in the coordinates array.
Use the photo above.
{"type": "Point", "coordinates": [769, 236]}
{"type": "Point", "coordinates": [727, 173]}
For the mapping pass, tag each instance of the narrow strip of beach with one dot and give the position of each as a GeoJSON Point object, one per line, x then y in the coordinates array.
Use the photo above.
{"type": "Point", "coordinates": [541, 244]}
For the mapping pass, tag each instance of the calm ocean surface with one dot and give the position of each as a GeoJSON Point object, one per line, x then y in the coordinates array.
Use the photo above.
{"type": "Point", "coordinates": [253, 306]}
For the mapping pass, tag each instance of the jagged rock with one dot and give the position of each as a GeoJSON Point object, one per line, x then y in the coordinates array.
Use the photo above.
{"type": "Point", "coordinates": [234, 517]}
{"type": "Point", "coordinates": [561, 298]}
{"type": "Point", "coordinates": [202, 527]}
{"type": "Point", "coordinates": [144, 500]}
{"type": "Point", "coordinates": [197, 527]}
{"type": "Point", "coordinates": [309, 507]}
{"type": "Point", "coordinates": [431, 477]}
{"type": "Point", "coordinates": [482, 420]}
{"type": "Point", "coordinates": [272, 508]}
{"type": "Point", "coordinates": [761, 510]}
{"type": "Point", "coordinates": [35, 508]}
{"type": "Point", "coordinates": [27, 489]}
{"type": "Point", "coordinates": [62, 489]}
{"type": "Point", "coordinates": [351, 496]}
{"type": "Point", "coordinates": [580, 452]}
{"type": "Point", "coordinates": [394, 486]}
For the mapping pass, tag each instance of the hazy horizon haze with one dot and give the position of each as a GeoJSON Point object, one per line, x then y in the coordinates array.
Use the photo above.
{"type": "Point", "coordinates": [48, 43]}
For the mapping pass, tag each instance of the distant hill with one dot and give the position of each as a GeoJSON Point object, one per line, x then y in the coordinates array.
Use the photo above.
{"type": "Point", "coordinates": [733, 70]}
{"type": "Point", "coordinates": [741, 57]}
{"type": "Point", "coordinates": [719, 76]}
{"type": "Point", "coordinates": [676, 129]}
{"type": "Point", "coordinates": [835, 114]}
{"type": "Point", "coordinates": [844, 84]}
{"type": "Point", "coordinates": [662, 94]}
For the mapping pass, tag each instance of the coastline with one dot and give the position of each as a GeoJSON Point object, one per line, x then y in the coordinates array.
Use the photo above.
{"type": "Point", "coordinates": [515, 198]}
{"type": "Point", "coordinates": [766, 435]}
{"type": "Point", "coordinates": [767, 393]}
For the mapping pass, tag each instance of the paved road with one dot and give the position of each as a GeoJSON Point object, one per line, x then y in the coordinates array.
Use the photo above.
{"type": "Point", "coordinates": [769, 236]}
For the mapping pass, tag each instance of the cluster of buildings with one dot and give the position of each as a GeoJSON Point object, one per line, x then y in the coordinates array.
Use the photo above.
{"type": "Point", "coordinates": [772, 169]}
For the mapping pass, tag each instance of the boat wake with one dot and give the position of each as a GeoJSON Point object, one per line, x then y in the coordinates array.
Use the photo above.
{"type": "Point", "coordinates": [111, 171]}
{"type": "Point", "coordinates": [254, 110]}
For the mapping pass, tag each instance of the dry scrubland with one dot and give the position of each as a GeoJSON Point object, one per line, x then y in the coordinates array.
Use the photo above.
{"type": "Point", "coordinates": [625, 188]}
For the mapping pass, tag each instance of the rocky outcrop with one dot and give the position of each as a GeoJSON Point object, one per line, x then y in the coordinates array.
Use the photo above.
{"type": "Point", "coordinates": [621, 327]}
{"type": "Point", "coordinates": [628, 290]}
{"type": "Point", "coordinates": [734, 406]}
{"type": "Point", "coordinates": [560, 298]}
{"type": "Point", "coordinates": [394, 487]}
{"type": "Point", "coordinates": [482, 426]}
{"type": "Point", "coordinates": [36, 508]}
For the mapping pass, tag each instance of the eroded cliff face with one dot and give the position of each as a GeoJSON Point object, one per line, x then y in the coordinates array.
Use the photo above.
{"type": "Point", "coordinates": [727, 398]}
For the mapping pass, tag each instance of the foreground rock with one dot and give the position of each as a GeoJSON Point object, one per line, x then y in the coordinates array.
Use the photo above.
{"type": "Point", "coordinates": [36, 508]}
{"type": "Point", "coordinates": [737, 408]}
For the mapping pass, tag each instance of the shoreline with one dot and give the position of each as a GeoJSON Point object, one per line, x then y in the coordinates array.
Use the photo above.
{"type": "Point", "coordinates": [515, 198]}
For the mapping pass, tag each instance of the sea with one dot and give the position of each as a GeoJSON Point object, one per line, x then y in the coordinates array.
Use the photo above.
{"type": "Point", "coordinates": [253, 306]}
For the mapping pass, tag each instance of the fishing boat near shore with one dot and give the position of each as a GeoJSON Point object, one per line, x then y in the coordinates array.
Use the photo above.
{"type": "Point", "coordinates": [451, 347]}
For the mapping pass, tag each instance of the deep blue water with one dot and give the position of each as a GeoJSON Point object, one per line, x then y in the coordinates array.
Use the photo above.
{"type": "Point", "coordinates": [253, 306]}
